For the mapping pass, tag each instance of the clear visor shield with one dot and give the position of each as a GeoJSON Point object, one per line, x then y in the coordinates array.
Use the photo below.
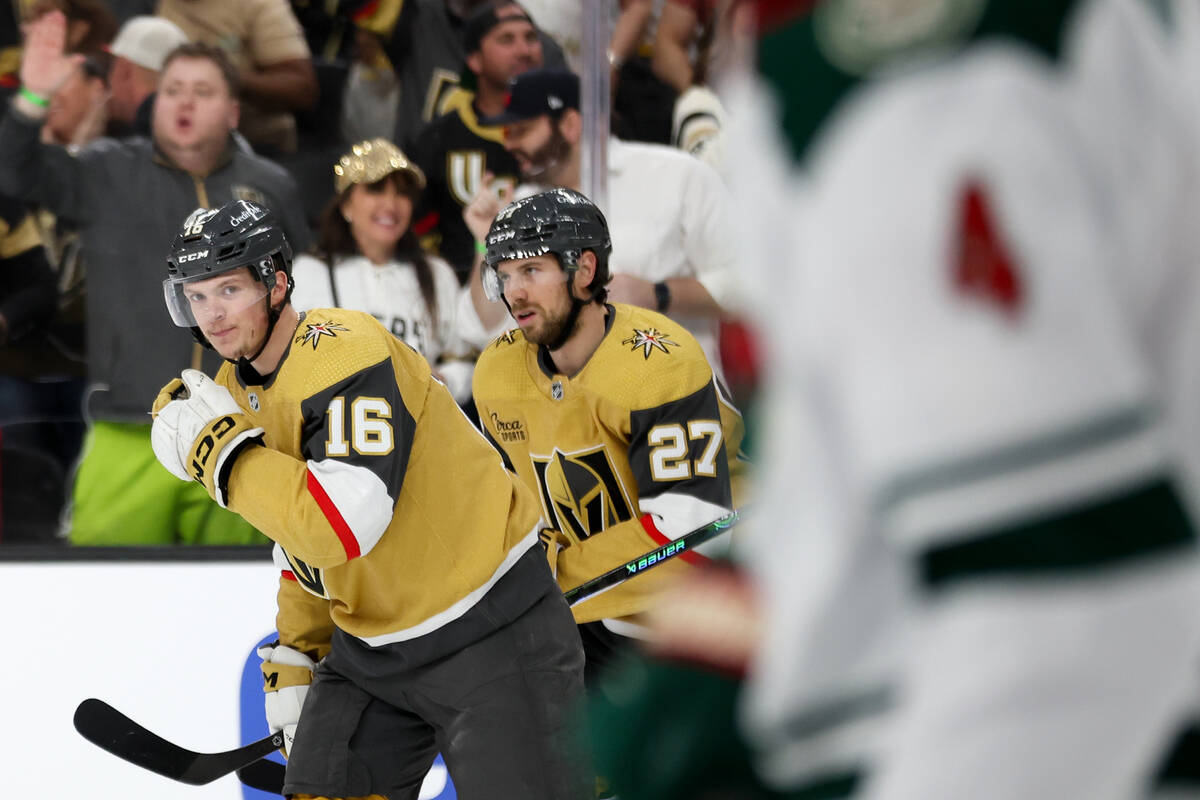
{"type": "Point", "coordinates": [197, 303]}
{"type": "Point", "coordinates": [514, 276]}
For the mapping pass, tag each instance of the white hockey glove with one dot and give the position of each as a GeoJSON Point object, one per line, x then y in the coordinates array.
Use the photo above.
{"type": "Point", "coordinates": [199, 430]}
{"type": "Point", "coordinates": [286, 676]}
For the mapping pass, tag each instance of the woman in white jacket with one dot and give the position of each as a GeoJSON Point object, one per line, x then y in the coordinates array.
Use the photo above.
{"type": "Point", "coordinates": [367, 257]}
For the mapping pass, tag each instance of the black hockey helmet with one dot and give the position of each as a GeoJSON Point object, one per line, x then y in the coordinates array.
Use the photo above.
{"type": "Point", "coordinates": [559, 221]}
{"type": "Point", "coordinates": [238, 234]}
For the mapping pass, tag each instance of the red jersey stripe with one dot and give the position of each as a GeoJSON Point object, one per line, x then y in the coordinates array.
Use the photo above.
{"type": "Point", "coordinates": [349, 542]}
{"type": "Point", "coordinates": [690, 556]}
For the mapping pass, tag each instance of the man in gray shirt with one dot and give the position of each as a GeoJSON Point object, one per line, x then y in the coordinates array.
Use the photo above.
{"type": "Point", "coordinates": [128, 199]}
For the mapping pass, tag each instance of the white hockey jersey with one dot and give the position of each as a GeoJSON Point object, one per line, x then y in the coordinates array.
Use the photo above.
{"type": "Point", "coordinates": [977, 548]}
{"type": "Point", "coordinates": [390, 293]}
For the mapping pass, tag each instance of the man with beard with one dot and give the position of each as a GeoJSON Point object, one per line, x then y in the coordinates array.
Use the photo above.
{"type": "Point", "coordinates": [455, 151]}
{"type": "Point", "coordinates": [611, 413]}
{"type": "Point", "coordinates": [670, 213]}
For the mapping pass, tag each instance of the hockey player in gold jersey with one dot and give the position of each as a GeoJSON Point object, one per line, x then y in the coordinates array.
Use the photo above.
{"type": "Point", "coordinates": [610, 412]}
{"type": "Point", "coordinates": [414, 594]}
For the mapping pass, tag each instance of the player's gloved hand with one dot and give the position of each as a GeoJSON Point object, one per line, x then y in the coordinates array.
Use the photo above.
{"type": "Point", "coordinates": [552, 541]}
{"type": "Point", "coordinates": [199, 430]}
{"type": "Point", "coordinates": [286, 675]}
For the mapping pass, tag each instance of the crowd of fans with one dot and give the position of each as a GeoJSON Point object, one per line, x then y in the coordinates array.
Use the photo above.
{"type": "Point", "coordinates": [122, 116]}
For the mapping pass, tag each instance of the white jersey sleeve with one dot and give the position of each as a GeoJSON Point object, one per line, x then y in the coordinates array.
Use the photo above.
{"type": "Point", "coordinates": [965, 430]}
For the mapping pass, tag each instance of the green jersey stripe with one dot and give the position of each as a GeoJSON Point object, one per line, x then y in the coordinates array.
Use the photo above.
{"type": "Point", "coordinates": [1147, 520]}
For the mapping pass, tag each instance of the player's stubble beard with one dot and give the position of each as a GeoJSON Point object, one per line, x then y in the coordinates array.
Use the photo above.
{"type": "Point", "coordinates": [545, 161]}
{"type": "Point", "coordinates": [554, 322]}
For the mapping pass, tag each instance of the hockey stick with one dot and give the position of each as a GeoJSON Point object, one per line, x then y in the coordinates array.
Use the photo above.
{"type": "Point", "coordinates": [689, 541]}
{"type": "Point", "coordinates": [109, 729]}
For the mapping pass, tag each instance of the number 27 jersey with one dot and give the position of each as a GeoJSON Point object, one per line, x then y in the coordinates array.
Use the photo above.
{"type": "Point", "coordinates": [638, 448]}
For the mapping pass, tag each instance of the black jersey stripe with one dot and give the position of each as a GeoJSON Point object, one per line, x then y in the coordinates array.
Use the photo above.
{"type": "Point", "coordinates": [1146, 520]}
{"type": "Point", "coordinates": [1181, 768]}
{"type": "Point", "coordinates": [833, 786]}
{"type": "Point", "coordinates": [508, 465]}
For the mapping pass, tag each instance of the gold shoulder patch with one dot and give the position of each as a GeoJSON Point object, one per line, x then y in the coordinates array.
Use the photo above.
{"type": "Point", "coordinates": [315, 330]}
{"type": "Point", "coordinates": [648, 341]}
{"type": "Point", "coordinates": [508, 337]}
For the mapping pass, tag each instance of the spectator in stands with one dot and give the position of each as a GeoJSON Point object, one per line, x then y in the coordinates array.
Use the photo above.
{"type": "Point", "coordinates": [371, 95]}
{"type": "Point", "coordinates": [35, 451]}
{"type": "Point", "coordinates": [77, 114]}
{"type": "Point", "coordinates": [689, 48]}
{"type": "Point", "coordinates": [129, 197]}
{"type": "Point", "coordinates": [427, 54]}
{"type": "Point", "coordinates": [641, 103]}
{"type": "Point", "coordinates": [91, 24]}
{"type": "Point", "coordinates": [138, 53]}
{"type": "Point", "coordinates": [668, 213]}
{"type": "Point", "coordinates": [454, 151]}
{"type": "Point", "coordinates": [90, 27]}
{"type": "Point", "coordinates": [368, 257]}
{"type": "Point", "coordinates": [264, 41]}
{"type": "Point", "coordinates": [27, 298]}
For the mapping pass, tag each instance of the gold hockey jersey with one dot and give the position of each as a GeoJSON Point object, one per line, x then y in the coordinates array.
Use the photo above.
{"type": "Point", "coordinates": [392, 516]}
{"type": "Point", "coordinates": [638, 448]}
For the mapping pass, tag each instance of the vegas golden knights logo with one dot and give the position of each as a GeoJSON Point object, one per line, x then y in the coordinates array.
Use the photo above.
{"type": "Point", "coordinates": [308, 577]}
{"type": "Point", "coordinates": [464, 174]}
{"type": "Point", "coordinates": [581, 491]}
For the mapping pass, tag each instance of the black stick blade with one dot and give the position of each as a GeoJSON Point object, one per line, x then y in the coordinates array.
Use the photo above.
{"type": "Point", "coordinates": [265, 775]}
{"type": "Point", "coordinates": [110, 730]}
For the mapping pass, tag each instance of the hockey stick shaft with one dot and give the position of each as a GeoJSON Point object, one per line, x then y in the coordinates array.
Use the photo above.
{"type": "Point", "coordinates": [648, 560]}
{"type": "Point", "coordinates": [109, 729]}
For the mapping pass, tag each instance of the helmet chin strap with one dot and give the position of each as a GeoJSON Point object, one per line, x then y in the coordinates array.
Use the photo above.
{"type": "Point", "coordinates": [569, 326]}
{"type": "Point", "coordinates": [272, 318]}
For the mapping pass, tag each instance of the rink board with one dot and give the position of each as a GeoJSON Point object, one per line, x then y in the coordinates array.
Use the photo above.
{"type": "Point", "coordinates": [169, 644]}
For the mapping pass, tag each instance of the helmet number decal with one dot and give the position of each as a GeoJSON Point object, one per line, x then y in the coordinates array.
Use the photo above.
{"type": "Point", "coordinates": [194, 224]}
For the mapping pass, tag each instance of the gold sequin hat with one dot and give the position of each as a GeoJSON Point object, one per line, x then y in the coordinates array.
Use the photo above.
{"type": "Point", "coordinates": [373, 160]}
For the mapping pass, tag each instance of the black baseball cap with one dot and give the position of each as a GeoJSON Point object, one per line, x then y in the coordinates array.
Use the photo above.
{"type": "Point", "coordinates": [482, 20]}
{"type": "Point", "coordinates": [536, 92]}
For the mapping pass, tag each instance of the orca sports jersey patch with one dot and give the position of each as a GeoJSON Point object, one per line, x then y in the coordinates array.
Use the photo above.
{"type": "Point", "coordinates": [315, 330]}
{"type": "Point", "coordinates": [649, 340]}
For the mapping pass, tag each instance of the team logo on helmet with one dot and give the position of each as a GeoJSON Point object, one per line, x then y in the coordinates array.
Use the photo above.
{"type": "Point", "coordinates": [316, 330]}
{"type": "Point", "coordinates": [649, 340]}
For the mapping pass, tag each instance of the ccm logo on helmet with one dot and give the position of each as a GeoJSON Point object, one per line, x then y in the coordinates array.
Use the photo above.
{"type": "Point", "coordinates": [193, 256]}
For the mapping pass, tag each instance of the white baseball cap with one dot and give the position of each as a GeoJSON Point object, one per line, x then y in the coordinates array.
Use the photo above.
{"type": "Point", "coordinates": [146, 41]}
